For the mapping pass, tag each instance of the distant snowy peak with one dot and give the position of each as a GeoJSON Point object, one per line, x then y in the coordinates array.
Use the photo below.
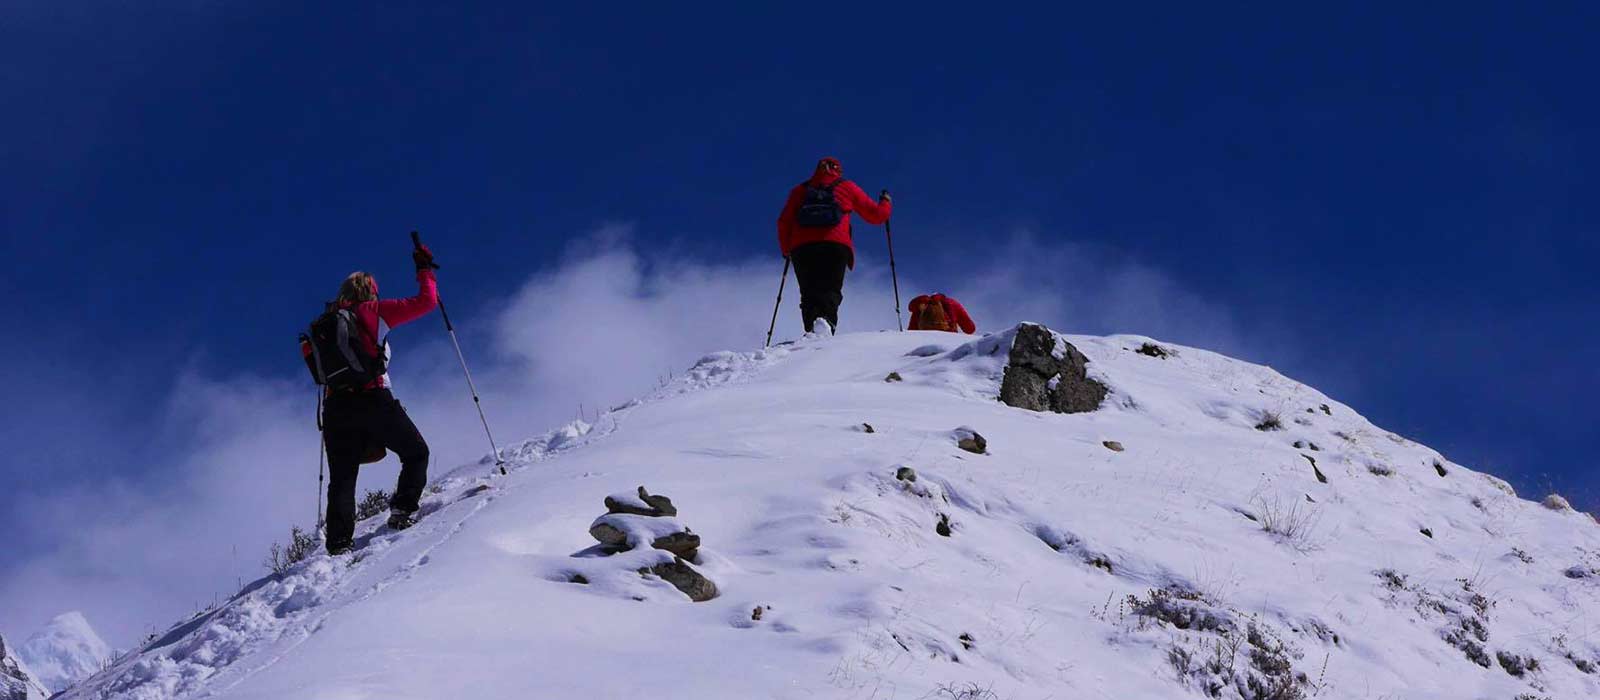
{"type": "Point", "coordinates": [64, 652]}
{"type": "Point", "coordinates": [16, 681]}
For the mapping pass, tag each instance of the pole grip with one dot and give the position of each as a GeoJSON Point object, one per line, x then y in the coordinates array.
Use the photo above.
{"type": "Point", "coordinates": [416, 244]}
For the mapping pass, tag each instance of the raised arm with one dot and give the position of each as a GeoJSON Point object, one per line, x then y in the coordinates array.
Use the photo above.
{"type": "Point", "coordinates": [872, 211]}
{"type": "Point", "coordinates": [786, 222]}
{"type": "Point", "coordinates": [958, 313]}
{"type": "Point", "coordinates": [397, 311]}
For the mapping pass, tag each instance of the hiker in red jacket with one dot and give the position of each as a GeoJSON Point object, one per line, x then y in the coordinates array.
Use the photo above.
{"type": "Point", "coordinates": [814, 234]}
{"type": "Point", "coordinates": [358, 423]}
{"type": "Point", "coordinates": [937, 312]}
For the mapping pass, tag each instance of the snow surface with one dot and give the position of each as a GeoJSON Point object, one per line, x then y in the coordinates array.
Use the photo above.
{"type": "Point", "coordinates": [64, 652]}
{"type": "Point", "coordinates": [766, 456]}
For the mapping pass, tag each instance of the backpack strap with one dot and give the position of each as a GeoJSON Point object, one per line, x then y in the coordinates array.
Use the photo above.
{"type": "Point", "coordinates": [344, 338]}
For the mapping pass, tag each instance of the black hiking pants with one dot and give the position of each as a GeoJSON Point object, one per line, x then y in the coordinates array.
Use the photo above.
{"type": "Point", "coordinates": [352, 424]}
{"type": "Point", "coordinates": [820, 268]}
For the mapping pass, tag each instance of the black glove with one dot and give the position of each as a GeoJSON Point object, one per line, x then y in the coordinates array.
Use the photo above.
{"type": "Point", "coordinates": [423, 258]}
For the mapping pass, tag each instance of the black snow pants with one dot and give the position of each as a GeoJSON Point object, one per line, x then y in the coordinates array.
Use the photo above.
{"type": "Point", "coordinates": [353, 423]}
{"type": "Point", "coordinates": [820, 268]}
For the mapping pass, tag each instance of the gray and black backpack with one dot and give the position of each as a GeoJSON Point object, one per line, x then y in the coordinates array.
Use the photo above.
{"type": "Point", "coordinates": [335, 353]}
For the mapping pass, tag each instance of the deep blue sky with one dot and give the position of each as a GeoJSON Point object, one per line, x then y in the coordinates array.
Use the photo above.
{"type": "Point", "coordinates": [1397, 191]}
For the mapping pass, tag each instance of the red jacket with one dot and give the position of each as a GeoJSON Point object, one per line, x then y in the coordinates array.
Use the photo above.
{"type": "Point", "coordinates": [395, 312]}
{"type": "Point", "coordinates": [851, 199]}
{"type": "Point", "coordinates": [953, 312]}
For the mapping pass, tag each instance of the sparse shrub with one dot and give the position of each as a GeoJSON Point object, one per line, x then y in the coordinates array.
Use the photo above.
{"type": "Point", "coordinates": [1293, 523]}
{"type": "Point", "coordinates": [1183, 609]}
{"type": "Point", "coordinates": [1521, 555]}
{"type": "Point", "coordinates": [1556, 502]}
{"type": "Point", "coordinates": [301, 545]}
{"type": "Point", "coordinates": [970, 691]}
{"type": "Point", "coordinates": [1380, 469]}
{"type": "Point", "coordinates": [1559, 644]}
{"type": "Point", "coordinates": [1268, 673]}
{"type": "Point", "coordinates": [1480, 603]}
{"type": "Point", "coordinates": [1270, 420]}
{"type": "Point", "coordinates": [373, 503]}
{"type": "Point", "coordinates": [1391, 579]}
{"type": "Point", "coordinates": [1474, 651]}
{"type": "Point", "coordinates": [1182, 660]}
{"type": "Point", "coordinates": [1516, 665]}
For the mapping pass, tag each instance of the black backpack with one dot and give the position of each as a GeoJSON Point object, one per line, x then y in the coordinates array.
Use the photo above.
{"type": "Point", "coordinates": [820, 209]}
{"type": "Point", "coordinates": [335, 354]}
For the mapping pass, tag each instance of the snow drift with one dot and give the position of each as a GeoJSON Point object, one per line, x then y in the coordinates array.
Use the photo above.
{"type": "Point", "coordinates": [1212, 529]}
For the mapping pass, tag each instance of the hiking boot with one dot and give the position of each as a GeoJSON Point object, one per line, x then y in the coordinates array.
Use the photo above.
{"type": "Point", "coordinates": [400, 520]}
{"type": "Point", "coordinates": [822, 328]}
{"type": "Point", "coordinates": [337, 548]}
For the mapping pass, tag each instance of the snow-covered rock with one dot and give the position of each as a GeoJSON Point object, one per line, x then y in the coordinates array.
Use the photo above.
{"type": "Point", "coordinates": [17, 682]}
{"type": "Point", "coordinates": [65, 651]}
{"type": "Point", "coordinates": [1210, 558]}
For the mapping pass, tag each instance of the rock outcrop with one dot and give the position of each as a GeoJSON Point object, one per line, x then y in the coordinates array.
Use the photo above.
{"type": "Point", "coordinates": [1046, 373]}
{"type": "Point", "coordinates": [15, 681]}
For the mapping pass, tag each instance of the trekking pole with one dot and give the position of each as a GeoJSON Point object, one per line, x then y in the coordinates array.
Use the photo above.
{"type": "Point", "coordinates": [782, 281]}
{"type": "Point", "coordinates": [416, 240]}
{"type": "Point", "coordinates": [322, 456]}
{"type": "Point", "coordinates": [889, 235]}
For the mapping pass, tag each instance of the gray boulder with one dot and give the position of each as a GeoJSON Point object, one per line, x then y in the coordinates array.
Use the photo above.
{"type": "Point", "coordinates": [684, 578]}
{"type": "Point", "coordinates": [682, 544]}
{"type": "Point", "coordinates": [647, 504]}
{"type": "Point", "coordinates": [1038, 380]}
{"type": "Point", "coordinates": [610, 536]}
{"type": "Point", "coordinates": [969, 440]}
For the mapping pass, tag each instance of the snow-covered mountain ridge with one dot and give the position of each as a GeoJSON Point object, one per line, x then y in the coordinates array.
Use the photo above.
{"type": "Point", "coordinates": [1213, 529]}
{"type": "Point", "coordinates": [65, 651]}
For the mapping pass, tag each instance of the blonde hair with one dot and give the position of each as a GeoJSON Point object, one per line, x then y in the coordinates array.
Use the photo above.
{"type": "Point", "coordinates": [356, 288]}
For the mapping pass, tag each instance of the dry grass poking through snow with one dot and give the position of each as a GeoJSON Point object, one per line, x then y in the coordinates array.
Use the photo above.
{"type": "Point", "coordinates": [1292, 521]}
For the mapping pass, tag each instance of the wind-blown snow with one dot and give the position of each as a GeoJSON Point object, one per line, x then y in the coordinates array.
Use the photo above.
{"type": "Point", "coordinates": [65, 651]}
{"type": "Point", "coordinates": [1206, 556]}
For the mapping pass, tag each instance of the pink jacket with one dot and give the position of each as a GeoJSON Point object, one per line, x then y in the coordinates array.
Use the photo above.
{"type": "Point", "coordinates": [395, 312]}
